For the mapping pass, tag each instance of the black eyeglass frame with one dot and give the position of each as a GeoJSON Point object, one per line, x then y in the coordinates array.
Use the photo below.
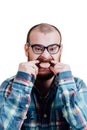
{"type": "Point", "coordinates": [44, 47]}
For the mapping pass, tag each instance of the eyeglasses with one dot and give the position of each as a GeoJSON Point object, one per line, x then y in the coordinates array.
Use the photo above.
{"type": "Point", "coordinates": [39, 49]}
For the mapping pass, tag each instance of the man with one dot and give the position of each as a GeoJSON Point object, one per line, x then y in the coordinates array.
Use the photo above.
{"type": "Point", "coordinates": [43, 95]}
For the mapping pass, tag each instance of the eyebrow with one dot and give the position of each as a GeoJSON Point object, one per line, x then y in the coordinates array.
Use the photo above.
{"type": "Point", "coordinates": [45, 46]}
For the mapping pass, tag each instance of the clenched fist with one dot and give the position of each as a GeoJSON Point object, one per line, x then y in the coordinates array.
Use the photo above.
{"type": "Point", "coordinates": [59, 67]}
{"type": "Point", "coordinates": [29, 67]}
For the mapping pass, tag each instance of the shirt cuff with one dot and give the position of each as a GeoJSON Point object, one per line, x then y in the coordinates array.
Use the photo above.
{"type": "Point", "coordinates": [24, 77]}
{"type": "Point", "coordinates": [64, 76]}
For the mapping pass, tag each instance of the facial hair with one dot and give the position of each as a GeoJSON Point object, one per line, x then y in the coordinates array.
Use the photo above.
{"type": "Point", "coordinates": [45, 76]}
{"type": "Point", "coordinates": [42, 59]}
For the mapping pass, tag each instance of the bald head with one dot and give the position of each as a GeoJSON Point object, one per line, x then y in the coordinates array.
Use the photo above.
{"type": "Point", "coordinates": [43, 28]}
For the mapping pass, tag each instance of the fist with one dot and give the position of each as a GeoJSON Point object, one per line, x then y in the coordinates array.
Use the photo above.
{"type": "Point", "coordinates": [59, 67]}
{"type": "Point", "coordinates": [29, 67]}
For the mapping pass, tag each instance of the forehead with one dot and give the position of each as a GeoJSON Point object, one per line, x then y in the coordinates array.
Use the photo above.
{"type": "Point", "coordinates": [44, 38]}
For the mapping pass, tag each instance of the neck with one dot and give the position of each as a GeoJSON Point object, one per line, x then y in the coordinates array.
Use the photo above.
{"type": "Point", "coordinates": [44, 86]}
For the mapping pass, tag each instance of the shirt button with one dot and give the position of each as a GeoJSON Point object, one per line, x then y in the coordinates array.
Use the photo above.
{"type": "Point", "coordinates": [27, 105]}
{"type": "Point", "coordinates": [45, 115]}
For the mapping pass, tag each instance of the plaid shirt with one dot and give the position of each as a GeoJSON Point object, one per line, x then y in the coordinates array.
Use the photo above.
{"type": "Point", "coordinates": [21, 107]}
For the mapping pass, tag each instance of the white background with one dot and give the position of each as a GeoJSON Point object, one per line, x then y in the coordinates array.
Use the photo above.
{"type": "Point", "coordinates": [17, 16]}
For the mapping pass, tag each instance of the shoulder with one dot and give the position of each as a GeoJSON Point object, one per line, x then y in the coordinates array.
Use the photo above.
{"type": "Point", "coordinates": [79, 83]}
{"type": "Point", "coordinates": [7, 82]}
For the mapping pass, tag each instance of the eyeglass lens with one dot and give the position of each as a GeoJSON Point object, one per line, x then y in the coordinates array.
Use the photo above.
{"type": "Point", "coordinates": [39, 49]}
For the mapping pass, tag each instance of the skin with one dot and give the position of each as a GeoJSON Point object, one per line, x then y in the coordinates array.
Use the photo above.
{"type": "Point", "coordinates": [30, 67]}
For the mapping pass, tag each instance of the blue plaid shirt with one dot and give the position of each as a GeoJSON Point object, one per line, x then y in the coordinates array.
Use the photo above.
{"type": "Point", "coordinates": [22, 108]}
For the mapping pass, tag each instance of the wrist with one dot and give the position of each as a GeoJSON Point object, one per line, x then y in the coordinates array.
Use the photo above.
{"type": "Point", "coordinates": [24, 77]}
{"type": "Point", "coordinates": [64, 76]}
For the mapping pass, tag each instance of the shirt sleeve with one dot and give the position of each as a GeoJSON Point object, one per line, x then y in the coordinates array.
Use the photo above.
{"type": "Point", "coordinates": [15, 101]}
{"type": "Point", "coordinates": [74, 103]}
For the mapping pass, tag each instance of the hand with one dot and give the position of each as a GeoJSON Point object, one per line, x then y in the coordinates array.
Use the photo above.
{"type": "Point", "coordinates": [59, 67]}
{"type": "Point", "coordinates": [29, 67]}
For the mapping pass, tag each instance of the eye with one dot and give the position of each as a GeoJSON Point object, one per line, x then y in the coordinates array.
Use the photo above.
{"type": "Point", "coordinates": [38, 49]}
{"type": "Point", "coordinates": [53, 48]}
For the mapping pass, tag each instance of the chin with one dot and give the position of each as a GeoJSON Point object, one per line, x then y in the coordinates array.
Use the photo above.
{"type": "Point", "coordinates": [45, 76]}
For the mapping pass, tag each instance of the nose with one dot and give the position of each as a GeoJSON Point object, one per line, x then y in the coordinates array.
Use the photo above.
{"type": "Point", "coordinates": [45, 53]}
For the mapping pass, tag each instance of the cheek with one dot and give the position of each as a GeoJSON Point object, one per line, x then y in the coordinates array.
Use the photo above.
{"type": "Point", "coordinates": [32, 56]}
{"type": "Point", "coordinates": [56, 58]}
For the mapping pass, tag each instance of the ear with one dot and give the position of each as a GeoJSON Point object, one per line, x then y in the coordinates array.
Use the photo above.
{"type": "Point", "coordinates": [26, 48]}
{"type": "Point", "coordinates": [61, 49]}
{"type": "Point", "coordinates": [60, 52]}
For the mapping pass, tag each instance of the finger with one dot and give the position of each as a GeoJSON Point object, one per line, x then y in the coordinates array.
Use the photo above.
{"type": "Point", "coordinates": [53, 62]}
{"type": "Point", "coordinates": [58, 66]}
{"type": "Point", "coordinates": [35, 61]}
{"type": "Point", "coordinates": [56, 69]}
{"type": "Point", "coordinates": [36, 69]}
{"type": "Point", "coordinates": [56, 62]}
{"type": "Point", "coordinates": [33, 72]}
{"type": "Point", "coordinates": [53, 70]}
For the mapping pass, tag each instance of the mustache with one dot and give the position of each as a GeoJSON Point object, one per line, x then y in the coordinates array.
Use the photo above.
{"type": "Point", "coordinates": [42, 59]}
